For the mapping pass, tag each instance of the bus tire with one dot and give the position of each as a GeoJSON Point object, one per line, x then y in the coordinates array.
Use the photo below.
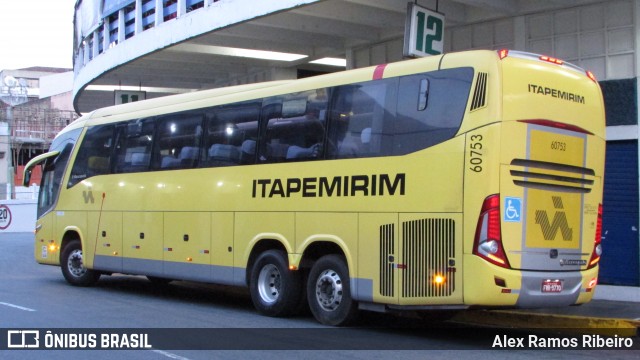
{"type": "Point", "coordinates": [73, 268]}
{"type": "Point", "coordinates": [329, 292]}
{"type": "Point", "coordinates": [275, 290]}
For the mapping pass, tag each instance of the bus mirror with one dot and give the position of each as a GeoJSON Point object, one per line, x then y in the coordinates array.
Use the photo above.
{"type": "Point", "coordinates": [27, 178]}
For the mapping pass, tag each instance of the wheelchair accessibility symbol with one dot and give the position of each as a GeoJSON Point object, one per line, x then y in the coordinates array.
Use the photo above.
{"type": "Point", "coordinates": [512, 209]}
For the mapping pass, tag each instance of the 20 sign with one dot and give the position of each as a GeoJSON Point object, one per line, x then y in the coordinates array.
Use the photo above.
{"type": "Point", "coordinates": [424, 32]}
{"type": "Point", "coordinates": [5, 217]}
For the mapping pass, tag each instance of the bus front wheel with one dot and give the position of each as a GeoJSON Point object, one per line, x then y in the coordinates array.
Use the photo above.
{"type": "Point", "coordinates": [275, 290]}
{"type": "Point", "coordinates": [73, 268]}
{"type": "Point", "coordinates": [329, 291]}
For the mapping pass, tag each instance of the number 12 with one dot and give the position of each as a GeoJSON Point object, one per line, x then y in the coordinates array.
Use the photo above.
{"type": "Point", "coordinates": [433, 23]}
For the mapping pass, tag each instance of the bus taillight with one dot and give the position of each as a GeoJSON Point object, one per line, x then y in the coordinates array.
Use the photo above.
{"type": "Point", "coordinates": [488, 239]}
{"type": "Point", "coordinates": [597, 245]}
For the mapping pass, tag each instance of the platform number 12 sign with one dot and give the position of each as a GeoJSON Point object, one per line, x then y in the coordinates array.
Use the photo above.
{"type": "Point", "coordinates": [424, 32]}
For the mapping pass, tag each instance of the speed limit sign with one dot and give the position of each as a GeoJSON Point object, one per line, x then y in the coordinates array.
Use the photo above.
{"type": "Point", "coordinates": [5, 217]}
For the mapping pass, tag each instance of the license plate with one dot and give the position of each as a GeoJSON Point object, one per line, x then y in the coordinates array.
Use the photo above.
{"type": "Point", "coordinates": [551, 286]}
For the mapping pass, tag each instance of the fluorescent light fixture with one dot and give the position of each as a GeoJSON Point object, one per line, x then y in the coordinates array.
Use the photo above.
{"type": "Point", "coordinates": [330, 61]}
{"type": "Point", "coordinates": [111, 88]}
{"type": "Point", "coordinates": [237, 52]}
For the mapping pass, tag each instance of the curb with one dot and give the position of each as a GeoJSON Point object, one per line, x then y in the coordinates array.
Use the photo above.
{"type": "Point", "coordinates": [562, 323]}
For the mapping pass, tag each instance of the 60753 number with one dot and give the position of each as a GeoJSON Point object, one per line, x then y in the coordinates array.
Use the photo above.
{"type": "Point", "coordinates": [475, 153]}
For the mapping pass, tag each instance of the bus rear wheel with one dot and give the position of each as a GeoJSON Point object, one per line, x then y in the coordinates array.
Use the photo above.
{"type": "Point", "coordinates": [275, 290]}
{"type": "Point", "coordinates": [73, 269]}
{"type": "Point", "coordinates": [329, 292]}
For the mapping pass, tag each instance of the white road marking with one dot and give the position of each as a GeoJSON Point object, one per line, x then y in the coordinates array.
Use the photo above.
{"type": "Point", "coordinates": [169, 355]}
{"type": "Point", "coordinates": [16, 306]}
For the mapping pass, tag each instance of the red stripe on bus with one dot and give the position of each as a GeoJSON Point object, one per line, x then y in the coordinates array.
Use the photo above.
{"type": "Point", "coordinates": [379, 71]}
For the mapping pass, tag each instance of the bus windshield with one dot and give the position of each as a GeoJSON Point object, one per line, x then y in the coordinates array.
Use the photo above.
{"type": "Point", "coordinates": [53, 170]}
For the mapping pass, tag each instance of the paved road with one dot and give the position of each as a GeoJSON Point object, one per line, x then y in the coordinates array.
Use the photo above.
{"type": "Point", "coordinates": [35, 296]}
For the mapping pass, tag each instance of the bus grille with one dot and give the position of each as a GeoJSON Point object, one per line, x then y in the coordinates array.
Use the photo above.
{"type": "Point", "coordinates": [480, 93]}
{"type": "Point", "coordinates": [428, 245]}
{"type": "Point", "coordinates": [387, 274]}
{"type": "Point", "coordinates": [552, 176]}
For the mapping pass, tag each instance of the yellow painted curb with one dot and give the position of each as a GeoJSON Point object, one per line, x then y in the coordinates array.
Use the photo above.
{"type": "Point", "coordinates": [564, 323]}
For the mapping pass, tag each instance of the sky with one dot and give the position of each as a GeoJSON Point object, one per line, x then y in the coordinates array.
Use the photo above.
{"type": "Point", "coordinates": [36, 33]}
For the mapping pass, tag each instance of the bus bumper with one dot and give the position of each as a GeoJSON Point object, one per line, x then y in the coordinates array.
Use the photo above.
{"type": "Point", "coordinates": [490, 285]}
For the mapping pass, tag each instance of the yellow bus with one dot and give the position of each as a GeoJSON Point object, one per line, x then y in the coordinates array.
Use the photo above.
{"type": "Point", "coordinates": [463, 180]}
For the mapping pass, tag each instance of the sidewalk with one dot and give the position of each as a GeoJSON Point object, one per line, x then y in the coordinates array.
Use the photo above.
{"type": "Point", "coordinates": [617, 293]}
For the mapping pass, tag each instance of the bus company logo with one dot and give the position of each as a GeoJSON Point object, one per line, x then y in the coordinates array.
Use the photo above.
{"type": "Point", "coordinates": [23, 339]}
{"type": "Point", "coordinates": [88, 196]}
{"type": "Point", "coordinates": [559, 222]}
{"type": "Point", "coordinates": [556, 93]}
{"type": "Point", "coordinates": [337, 186]}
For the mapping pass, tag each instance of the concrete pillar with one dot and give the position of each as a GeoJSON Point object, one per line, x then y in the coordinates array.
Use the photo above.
{"type": "Point", "coordinates": [351, 63]}
{"type": "Point", "coordinates": [86, 51]}
{"type": "Point", "coordinates": [96, 44]}
{"type": "Point", "coordinates": [138, 17]}
{"type": "Point", "coordinates": [121, 27]}
{"type": "Point", "coordinates": [182, 8]}
{"type": "Point", "coordinates": [159, 12]}
{"type": "Point", "coordinates": [106, 30]}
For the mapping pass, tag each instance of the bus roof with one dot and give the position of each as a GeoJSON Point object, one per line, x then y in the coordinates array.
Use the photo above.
{"type": "Point", "coordinates": [206, 98]}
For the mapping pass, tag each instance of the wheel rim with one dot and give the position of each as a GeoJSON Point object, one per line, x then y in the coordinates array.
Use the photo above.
{"type": "Point", "coordinates": [269, 282]}
{"type": "Point", "coordinates": [329, 290]}
{"type": "Point", "coordinates": [75, 263]}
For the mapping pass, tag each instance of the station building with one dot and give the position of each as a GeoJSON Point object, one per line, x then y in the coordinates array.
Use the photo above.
{"type": "Point", "coordinates": [128, 50]}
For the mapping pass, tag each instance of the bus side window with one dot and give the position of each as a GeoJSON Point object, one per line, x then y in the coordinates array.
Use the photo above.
{"type": "Point", "coordinates": [232, 133]}
{"type": "Point", "coordinates": [94, 155]}
{"type": "Point", "coordinates": [361, 117]}
{"type": "Point", "coordinates": [179, 137]}
{"type": "Point", "coordinates": [133, 146]}
{"type": "Point", "coordinates": [430, 109]}
{"type": "Point", "coordinates": [295, 127]}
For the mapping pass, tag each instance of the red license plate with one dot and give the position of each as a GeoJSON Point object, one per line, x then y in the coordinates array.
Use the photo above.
{"type": "Point", "coordinates": [551, 286]}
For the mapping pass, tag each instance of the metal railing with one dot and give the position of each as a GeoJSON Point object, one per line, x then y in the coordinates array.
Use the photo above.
{"type": "Point", "coordinates": [36, 125]}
